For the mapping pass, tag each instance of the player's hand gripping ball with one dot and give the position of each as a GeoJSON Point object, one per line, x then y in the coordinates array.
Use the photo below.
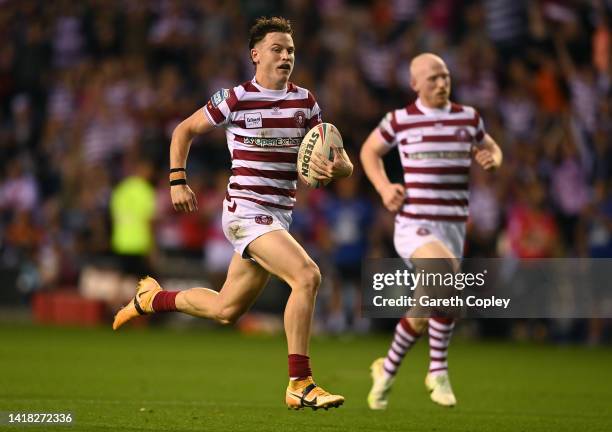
{"type": "Point", "coordinates": [321, 139]}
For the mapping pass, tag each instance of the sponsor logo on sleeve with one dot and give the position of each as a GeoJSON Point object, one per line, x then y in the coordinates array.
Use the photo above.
{"type": "Point", "coordinates": [219, 97]}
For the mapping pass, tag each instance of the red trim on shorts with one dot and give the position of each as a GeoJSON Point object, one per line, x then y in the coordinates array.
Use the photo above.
{"type": "Point", "coordinates": [260, 202]}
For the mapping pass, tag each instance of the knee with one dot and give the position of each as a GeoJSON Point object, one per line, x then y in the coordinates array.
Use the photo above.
{"type": "Point", "coordinates": [307, 279]}
{"type": "Point", "coordinates": [227, 316]}
{"type": "Point", "coordinates": [418, 324]}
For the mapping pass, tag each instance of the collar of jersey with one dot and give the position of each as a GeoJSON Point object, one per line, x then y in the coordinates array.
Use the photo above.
{"type": "Point", "coordinates": [426, 110]}
{"type": "Point", "coordinates": [280, 92]}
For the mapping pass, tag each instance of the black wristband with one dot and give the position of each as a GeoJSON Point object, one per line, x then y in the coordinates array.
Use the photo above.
{"type": "Point", "coordinates": [176, 169]}
{"type": "Point", "coordinates": [178, 182]}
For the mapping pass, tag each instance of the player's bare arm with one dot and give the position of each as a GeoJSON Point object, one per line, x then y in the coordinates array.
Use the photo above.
{"type": "Point", "coordinates": [372, 152]}
{"type": "Point", "coordinates": [183, 198]}
{"type": "Point", "coordinates": [340, 167]}
{"type": "Point", "coordinates": [489, 156]}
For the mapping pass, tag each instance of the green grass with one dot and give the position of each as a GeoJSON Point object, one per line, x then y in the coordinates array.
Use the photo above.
{"type": "Point", "coordinates": [207, 380]}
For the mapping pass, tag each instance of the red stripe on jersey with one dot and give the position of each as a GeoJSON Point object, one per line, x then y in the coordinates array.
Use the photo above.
{"type": "Point", "coordinates": [261, 202]}
{"type": "Point", "coordinates": [438, 186]}
{"type": "Point", "coordinates": [479, 136]}
{"type": "Point", "coordinates": [249, 87]}
{"type": "Point", "coordinates": [429, 123]}
{"type": "Point", "coordinates": [445, 218]}
{"type": "Point", "coordinates": [414, 110]}
{"type": "Point", "coordinates": [465, 155]}
{"type": "Point", "coordinates": [436, 201]}
{"type": "Point", "coordinates": [232, 100]}
{"type": "Point", "coordinates": [282, 104]}
{"type": "Point", "coordinates": [456, 108]}
{"type": "Point", "coordinates": [385, 135]}
{"type": "Point", "coordinates": [260, 156]}
{"type": "Point", "coordinates": [394, 124]}
{"type": "Point", "coordinates": [442, 139]}
{"type": "Point", "coordinates": [272, 123]}
{"type": "Point", "coordinates": [271, 174]}
{"type": "Point", "coordinates": [314, 121]}
{"type": "Point", "coordinates": [215, 113]}
{"type": "Point", "coordinates": [264, 190]}
{"type": "Point", "coordinates": [457, 170]}
{"type": "Point", "coordinates": [311, 101]}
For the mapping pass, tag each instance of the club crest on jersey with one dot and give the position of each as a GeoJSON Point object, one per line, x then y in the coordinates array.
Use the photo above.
{"type": "Point", "coordinates": [276, 111]}
{"type": "Point", "coordinates": [422, 231]}
{"type": "Point", "coordinates": [263, 219]}
{"type": "Point", "coordinates": [253, 120]}
{"type": "Point", "coordinates": [463, 135]}
{"type": "Point", "coordinates": [219, 97]}
{"type": "Point", "coordinates": [300, 118]}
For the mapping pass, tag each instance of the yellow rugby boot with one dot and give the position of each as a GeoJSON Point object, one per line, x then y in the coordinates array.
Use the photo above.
{"type": "Point", "coordinates": [378, 398]}
{"type": "Point", "coordinates": [441, 390]}
{"type": "Point", "coordinates": [141, 304]}
{"type": "Point", "coordinates": [306, 394]}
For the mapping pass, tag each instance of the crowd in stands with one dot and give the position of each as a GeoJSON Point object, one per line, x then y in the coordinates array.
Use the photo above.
{"type": "Point", "coordinates": [91, 90]}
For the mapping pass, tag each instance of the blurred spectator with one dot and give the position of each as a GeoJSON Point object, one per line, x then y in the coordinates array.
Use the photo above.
{"type": "Point", "coordinates": [132, 207]}
{"type": "Point", "coordinates": [349, 217]}
{"type": "Point", "coordinates": [532, 230]}
{"type": "Point", "coordinates": [600, 228]}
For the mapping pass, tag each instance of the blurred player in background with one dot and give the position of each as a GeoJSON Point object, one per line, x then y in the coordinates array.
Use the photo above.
{"type": "Point", "coordinates": [436, 140]}
{"type": "Point", "coordinates": [265, 120]}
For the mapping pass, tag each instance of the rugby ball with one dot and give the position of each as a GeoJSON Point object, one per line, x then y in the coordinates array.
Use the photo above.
{"type": "Point", "coordinates": [320, 139]}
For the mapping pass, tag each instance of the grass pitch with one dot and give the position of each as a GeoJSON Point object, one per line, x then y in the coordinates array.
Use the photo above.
{"type": "Point", "coordinates": [203, 380]}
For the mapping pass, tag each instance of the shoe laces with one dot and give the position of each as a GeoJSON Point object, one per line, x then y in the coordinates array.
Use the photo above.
{"type": "Point", "coordinates": [318, 391]}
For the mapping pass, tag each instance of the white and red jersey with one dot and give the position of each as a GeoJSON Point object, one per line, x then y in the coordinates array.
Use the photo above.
{"type": "Point", "coordinates": [264, 129]}
{"type": "Point", "coordinates": [435, 150]}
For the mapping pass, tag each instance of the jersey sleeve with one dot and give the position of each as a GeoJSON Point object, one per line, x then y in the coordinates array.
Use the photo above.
{"type": "Point", "coordinates": [480, 129]}
{"type": "Point", "coordinates": [315, 112]}
{"type": "Point", "coordinates": [385, 130]}
{"type": "Point", "coordinates": [219, 107]}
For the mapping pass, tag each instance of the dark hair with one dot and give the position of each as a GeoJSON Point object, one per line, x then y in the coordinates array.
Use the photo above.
{"type": "Point", "coordinates": [265, 25]}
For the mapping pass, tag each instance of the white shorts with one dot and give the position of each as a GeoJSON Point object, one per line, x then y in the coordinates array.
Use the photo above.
{"type": "Point", "coordinates": [243, 221]}
{"type": "Point", "coordinates": [411, 234]}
